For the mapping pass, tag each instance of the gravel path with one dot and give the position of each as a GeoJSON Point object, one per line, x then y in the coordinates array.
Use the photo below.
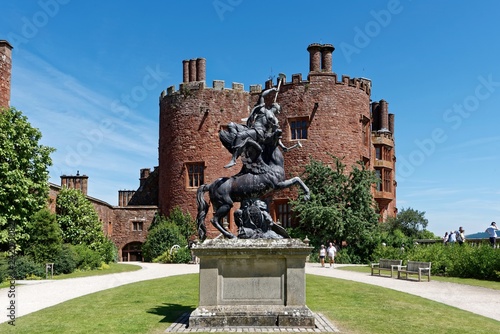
{"type": "Point", "coordinates": [36, 295]}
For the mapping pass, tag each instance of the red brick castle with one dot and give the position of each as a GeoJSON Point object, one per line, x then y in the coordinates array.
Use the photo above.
{"type": "Point", "coordinates": [328, 114]}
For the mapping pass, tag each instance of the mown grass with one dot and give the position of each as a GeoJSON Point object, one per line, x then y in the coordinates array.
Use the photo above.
{"type": "Point", "coordinates": [468, 281]}
{"type": "Point", "coordinates": [151, 306]}
{"type": "Point", "coordinates": [114, 268]}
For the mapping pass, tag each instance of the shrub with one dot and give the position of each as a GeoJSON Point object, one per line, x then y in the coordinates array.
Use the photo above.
{"type": "Point", "coordinates": [4, 267]}
{"type": "Point", "coordinates": [87, 259]}
{"type": "Point", "coordinates": [25, 266]}
{"type": "Point", "coordinates": [481, 262]}
{"type": "Point", "coordinates": [160, 239]}
{"type": "Point", "coordinates": [182, 255]}
{"type": "Point", "coordinates": [66, 261]}
{"type": "Point", "coordinates": [45, 237]}
{"type": "Point", "coordinates": [108, 251]}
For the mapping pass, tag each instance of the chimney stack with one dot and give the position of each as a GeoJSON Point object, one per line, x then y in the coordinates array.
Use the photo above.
{"type": "Point", "coordinates": [78, 182]}
{"type": "Point", "coordinates": [5, 73]}
{"type": "Point", "coordinates": [384, 115]}
{"type": "Point", "coordinates": [326, 58]}
{"type": "Point", "coordinates": [314, 57]}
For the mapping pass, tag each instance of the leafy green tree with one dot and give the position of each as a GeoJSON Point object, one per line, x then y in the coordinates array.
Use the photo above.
{"type": "Point", "coordinates": [165, 232]}
{"type": "Point", "coordinates": [161, 239]}
{"type": "Point", "coordinates": [411, 222]}
{"type": "Point", "coordinates": [341, 207]}
{"type": "Point", "coordinates": [78, 219]}
{"type": "Point", "coordinates": [23, 174]}
{"type": "Point", "coordinates": [45, 237]}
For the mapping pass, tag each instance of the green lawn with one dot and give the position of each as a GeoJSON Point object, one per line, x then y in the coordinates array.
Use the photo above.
{"type": "Point", "coordinates": [150, 307]}
{"type": "Point", "coordinates": [113, 269]}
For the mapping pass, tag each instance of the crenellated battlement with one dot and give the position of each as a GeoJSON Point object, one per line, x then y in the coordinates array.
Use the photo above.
{"type": "Point", "coordinates": [200, 85]}
{"type": "Point", "coordinates": [320, 68]}
{"type": "Point", "coordinates": [359, 83]}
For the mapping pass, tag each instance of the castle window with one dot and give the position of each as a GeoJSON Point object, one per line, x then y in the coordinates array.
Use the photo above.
{"type": "Point", "coordinates": [384, 176]}
{"type": "Point", "coordinates": [383, 153]}
{"type": "Point", "coordinates": [298, 128]}
{"type": "Point", "coordinates": [365, 130]}
{"type": "Point", "coordinates": [195, 173]}
{"type": "Point", "coordinates": [137, 226]}
{"type": "Point", "coordinates": [378, 174]}
{"type": "Point", "coordinates": [387, 180]}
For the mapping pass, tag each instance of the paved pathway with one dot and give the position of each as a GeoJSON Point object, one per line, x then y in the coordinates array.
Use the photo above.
{"type": "Point", "coordinates": [36, 295]}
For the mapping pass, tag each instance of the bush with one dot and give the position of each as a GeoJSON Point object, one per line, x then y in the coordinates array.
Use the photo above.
{"type": "Point", "coordinates": [182, 255]}
{"type": "Point", "coordinates": [87, 259]}
{"type": "Point", "coordinates": [25, 266]}
{"type": "Point", "coordinates": [66, 261]}
{"type": "Point", "coordinates": [108, 251]}
{"type": "Point", "coordinates": [45, 237]}
{"type": "Point", "coordinates": [160, 239]}
{"type": "Point", "coordinates": [4, 267]}
{"type": "Point", "coordinates": [481, 262]}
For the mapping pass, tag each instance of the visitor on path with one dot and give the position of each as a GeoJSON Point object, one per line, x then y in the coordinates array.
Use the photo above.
{"type": "Point", "coordinates": [322, 254]}
{"type": "Point", "coordinates": [445, 238]}
{"type": "Point", "coordinates": [331, 254]}
{"type": "Point", "coordinates": [452, 238]}
{"type": "Point", "coordinates": [460, 236]}
{"type": "Point", "coordinates": [492, 233]}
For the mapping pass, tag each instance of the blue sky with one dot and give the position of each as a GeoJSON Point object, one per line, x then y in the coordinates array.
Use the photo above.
{"type": "Point", "coordinates": [88, 74]}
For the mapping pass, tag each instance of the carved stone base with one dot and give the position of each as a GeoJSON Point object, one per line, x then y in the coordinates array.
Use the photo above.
{"type": "Point", "coordinates": [253, 315]}
{"type": "Point", "coordinates": [258, 282]}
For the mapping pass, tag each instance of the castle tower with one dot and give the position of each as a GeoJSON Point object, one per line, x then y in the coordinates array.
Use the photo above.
{"type": "Point", "coordinates": [327, 114]}
{"type": "Point", "coordinates": [79, 182]}
{"type": "Point", "coordinates": [190, 152]}
{"type": "Point", "coordinates": [5, 73]}
{"type": "Point", "coordinates": [384, 158]}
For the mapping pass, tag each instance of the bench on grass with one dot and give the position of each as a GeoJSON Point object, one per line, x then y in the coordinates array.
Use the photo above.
{"type": "Point", "coordinates": [417, 268]}
{"type": "Point", "coordinates": [387, 265]}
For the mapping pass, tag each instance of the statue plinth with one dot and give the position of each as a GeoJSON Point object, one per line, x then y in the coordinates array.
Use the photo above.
{"type": "Point", "coordinates": [252, 282]}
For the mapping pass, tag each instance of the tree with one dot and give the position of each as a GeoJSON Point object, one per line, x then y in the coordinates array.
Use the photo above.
{"type": "Point", "coordinates": [78, 219]}
{"type": "Point", "coordinates": [165, 232]}
{"type": "Point", "coordinates": [411, 222]}
{"type": "Point", "coordinates": [341, 207]}
{"type": "Point", "coordinates": [45, 242]}
{"type": "Point", "coordinates": [23, 174]}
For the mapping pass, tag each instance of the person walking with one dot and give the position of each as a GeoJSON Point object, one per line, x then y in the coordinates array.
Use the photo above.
{"type": "Point", "coordinates": [331, 254]}
{"type": "Point", "coordinates": [492, 233]}
{"type": "Point", "coordinates": [452, 237]}
{"type": "Point", "coordinates": [460, 235]}
{"type": "Point", "coordinates": [322, 255]}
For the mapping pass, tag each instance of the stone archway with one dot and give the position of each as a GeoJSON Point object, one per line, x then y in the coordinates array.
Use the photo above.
{"type": "Point", "coordinates": [132, 251]}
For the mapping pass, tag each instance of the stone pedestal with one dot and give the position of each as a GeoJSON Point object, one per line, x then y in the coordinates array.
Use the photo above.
{"type": "Point", "coordinates": [245, 282]}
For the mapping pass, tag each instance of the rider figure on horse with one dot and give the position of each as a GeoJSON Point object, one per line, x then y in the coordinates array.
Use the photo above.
{"type": "Point", "coordinates": [261, 124]}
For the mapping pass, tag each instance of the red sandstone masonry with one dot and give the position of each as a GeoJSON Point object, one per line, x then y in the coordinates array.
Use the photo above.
{"type": "Point", "coordinates": [5, 73]}
{"type": "Point", "coordinates": [191, 117]}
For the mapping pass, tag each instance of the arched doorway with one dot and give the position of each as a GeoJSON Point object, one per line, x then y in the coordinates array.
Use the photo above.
{"type": "Point", "coordinates": [132, 252]}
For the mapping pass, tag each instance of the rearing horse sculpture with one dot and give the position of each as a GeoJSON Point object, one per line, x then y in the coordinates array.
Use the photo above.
{"type": "Point", "coordinates": [262, 172]}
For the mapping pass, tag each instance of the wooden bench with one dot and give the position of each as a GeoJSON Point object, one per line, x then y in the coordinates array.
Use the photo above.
{"type": "Point", "coordinates": [387, 265]}
{"type": "Point", "coordinates": [417, 268]}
